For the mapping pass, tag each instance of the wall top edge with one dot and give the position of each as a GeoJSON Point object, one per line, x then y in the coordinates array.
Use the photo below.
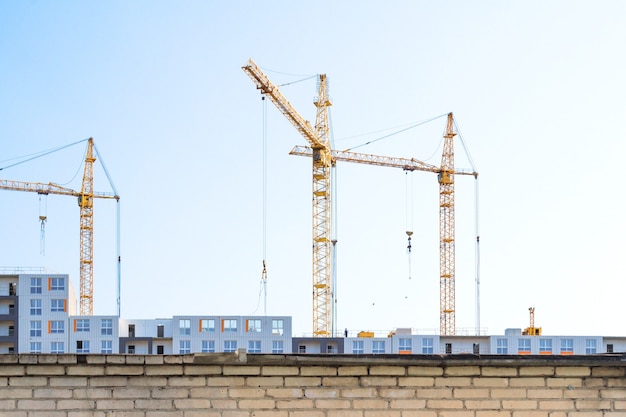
{"type": "Point", "coordinates": [340, 360]}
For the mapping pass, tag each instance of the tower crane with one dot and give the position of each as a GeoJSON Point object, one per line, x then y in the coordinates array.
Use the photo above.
{"type": "Point", "coordinates": [531, 330]}
{"type": "Point", "coordinates": [85, 202]}
{"type": "Point", "coordinates": [319, 139]}
{"type": "Point", "coordinates": [445, 174]}
{"type": "Point", "coordinates": [324, 158]}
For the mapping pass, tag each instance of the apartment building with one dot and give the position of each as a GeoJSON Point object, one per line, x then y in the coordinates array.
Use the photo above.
{"type": "Point", "coordinates": [38, 314]}
{"type": "Point", "coordinates": [206, 334]}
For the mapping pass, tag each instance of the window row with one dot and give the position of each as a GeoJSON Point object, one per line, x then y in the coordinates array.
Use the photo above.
{"type": "Point", "coordinates": [82, 346]}
{"type": "Point", "coordinates": [56, 305]}
{"type": "Point", "coordinates": [566, 346]}
{"type": "Point", "coordinates": [230, 325]}
{"type": "Point", "coordinates": [208, 346]}
{"type": "Point", "coordinates": [358, 347]}
{"type": "Point", "coordinates": [80, 325]}
{"type": "Point", "coordinates": [54, 284]}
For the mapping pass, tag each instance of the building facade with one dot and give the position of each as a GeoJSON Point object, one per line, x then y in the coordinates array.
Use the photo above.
{"type": "Point", "coordinates": [38, 314]}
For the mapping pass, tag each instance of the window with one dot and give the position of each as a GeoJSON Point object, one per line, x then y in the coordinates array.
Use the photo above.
{"type": "Point", "coordinates": [184, 346]}
{"type": "Point", "coordinates": [82, 346]}
{"type": "Point", "coordinates": [404, 345]}
{"type": "Point", "coordinates": [57, 305]}
{"type": "Point", "coordinates": [301, 349]}
{"type": "Point", "coordinates": [545, 346]}
{"type": "Point", "coordinates": [35, 307]}
{"type": "Point", "coordinates": [131, 330]}
{"type": "Point", "coordinates": [35, 328]}
{"type": "Point", "coordinates": [57, 284]}
{"type": "Point", "coordinates": [160, 349]}
{"type": "Point", "coordinates": [330, 349]}
{"type": "Point", "coordinates": [56, 326]}
{"type": "Point", "coordinates": [278, 327]}
{"type": "Point", "coordinates": [82, 325]}
{"type": "Point", "coordinates": [357, 347]}
{"type": "Point", "coordinates": [106, 327]}
{"type": "Point", "coordinates": [230, 345]}
{"type": "Point", "coordinates": [378, 346]}
{"type": "Point", "coordinates": [590, 346]}
{"type": "Point", "coordinates": [57, 347]}
{"type": "Point", "coordinates": [502, 346]}
{"type": "Point", "coordinates": [476, 348]}
{"type": "Point", "coordinates": [131, 349]}
{"type": "Point", "coordinates": [567, 346]}
{"type": "Point", "coordinates": [523, 346]}
{"type": "Point", "coordinates": [254, 325]}
{"type": "Point", "coordinates": [207, 325]}
{"type": "Point", "coordinates": [160, 330]}
{"type": "Point", "coordinates": [254, 346]}
{"type": "Point", "coordinates": [208, 346]}
{"type": "Point", "coordinates": [427, 345]}
{"type": "Point", "coordinates": [185, 327]}
{"type": "Point", "coordinates": [277, 346]}
{"type": "Point", "coordinates": [35, 347]}
{"type": "Point", "coordinates": [106, 346]}
{"type": "Point", "coordinates": [448, 348]}
{"type": "Point", "coordinates": [609, 348]}
{"type": "Point", "coordinates": [229, 325]}
{"type": "Point", "coordinates": [35, 285]}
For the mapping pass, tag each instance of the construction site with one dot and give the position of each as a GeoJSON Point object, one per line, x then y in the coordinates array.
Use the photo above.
{"type": "Point", "coordinates": [41, 312]}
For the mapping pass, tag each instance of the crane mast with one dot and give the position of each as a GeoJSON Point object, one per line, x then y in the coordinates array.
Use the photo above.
{"type": "Point", "coordinates": [447, 262]}
{"type": "Point", "coordinates": [85, 202]}
{"type": "Point", "coordinates": [322, 224]}
{"type": "Point", "coordinates": [319, 140]}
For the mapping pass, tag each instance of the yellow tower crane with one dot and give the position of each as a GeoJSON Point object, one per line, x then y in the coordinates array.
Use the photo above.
{"type": "Point", "coordinates": [319, 139]}
{"type": "Point", "coordinates": [445, 174]}
{"type": "Point", "coordinates": [85, 202]}
{"type": "Point", "coordinates": [531, 330]}
{"type": "Point", "coordinates": [323, 159]}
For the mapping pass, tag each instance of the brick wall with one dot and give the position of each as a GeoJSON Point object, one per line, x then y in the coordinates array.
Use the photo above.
{"type": "Point", "coordinates": [240, 385]}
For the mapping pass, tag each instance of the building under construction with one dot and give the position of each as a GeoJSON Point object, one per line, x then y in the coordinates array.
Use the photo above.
{"type": "Point", "coordinates": [39, 314]}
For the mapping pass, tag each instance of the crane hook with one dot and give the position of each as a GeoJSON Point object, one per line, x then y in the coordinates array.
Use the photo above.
{"type": "Point", "coordinates": [409, 234]}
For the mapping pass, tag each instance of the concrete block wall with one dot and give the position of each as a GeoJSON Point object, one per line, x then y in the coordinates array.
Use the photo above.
{"type": "Point", "coordinates": [240, 385]}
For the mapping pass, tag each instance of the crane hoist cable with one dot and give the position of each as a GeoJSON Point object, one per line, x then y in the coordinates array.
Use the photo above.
{"type": "Point", "coordinates": [476, 230]}
{"type": "Point", "coordinates": [409, 215]}
{"type": "Point", "coordinates": [43, 217]}
{"type": "Point", "coordinates": [264, 179]}
{"type": "Point", "coordinates": [263, 282]}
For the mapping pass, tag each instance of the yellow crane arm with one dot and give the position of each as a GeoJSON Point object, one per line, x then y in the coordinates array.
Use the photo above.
{"type": "Point", "coordinates": [264, 84]}
{"type": "Point", "coordinates": [362, 158]}
{"type": "Point", "coordinates": [406, 164]}
{"type": "Point", "coordinates": [49, 188]}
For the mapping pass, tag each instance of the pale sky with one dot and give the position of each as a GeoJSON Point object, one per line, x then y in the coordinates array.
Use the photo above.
{"type": "Point", "coordinates": [538, 93]}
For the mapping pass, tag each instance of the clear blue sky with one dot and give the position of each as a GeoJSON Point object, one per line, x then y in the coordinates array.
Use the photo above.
{"type": "Point", "coordinates": [537, 89]}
